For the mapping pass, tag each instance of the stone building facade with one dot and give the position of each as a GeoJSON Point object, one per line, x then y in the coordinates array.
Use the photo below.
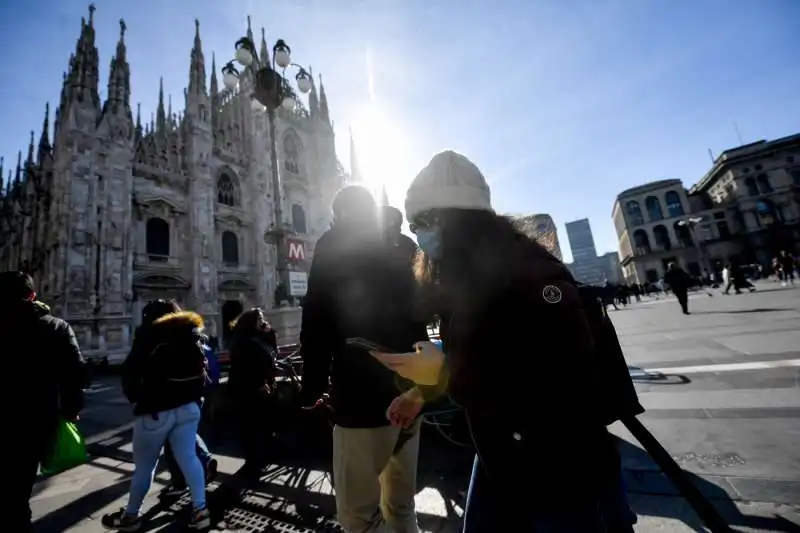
{"type": "Point", "coordinates": [115, 211]}
{"type": "Point", "coordinates": [746, 208]}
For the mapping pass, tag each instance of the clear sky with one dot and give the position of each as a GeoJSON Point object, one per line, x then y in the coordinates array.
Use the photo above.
{"type": "Point", "coordinates": [562, 103]}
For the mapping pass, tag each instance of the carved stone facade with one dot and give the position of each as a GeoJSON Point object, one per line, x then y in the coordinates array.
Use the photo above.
{"type": "Point", "coordinates": [116, 212]}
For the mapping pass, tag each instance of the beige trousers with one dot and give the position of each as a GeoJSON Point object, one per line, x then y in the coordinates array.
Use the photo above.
{"type": "Point", "coordinates": [374, 488]}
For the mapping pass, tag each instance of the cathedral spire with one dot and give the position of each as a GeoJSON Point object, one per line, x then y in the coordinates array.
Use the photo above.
{"type": "Point", "coordinates": [44, 139]}
{"type": "Point", "coordinates": [81, 81]}
{"type": "Point", "coordinates": [323, 102]}
{"type": "Point", "coordinates": [214, 82]}
{"type": "Point", "coordinates": [263, 54]}
{"type": "Point", "coordinates": [138, 128]}
{"type": "Point", "coordinates": [161, 116]}
{"type": "Point", "coordinates": [313, 101]}
{"type": "Point", "coordinates": [119, 79]}
{"type": "Point", "coordinates": [197, 69]}
{"type": "Point", "coordinates": [29, 160]}
{"type": "Point", "coordinates": [18, 173]}
{"type": "Point", "coordinates": [355, 170]}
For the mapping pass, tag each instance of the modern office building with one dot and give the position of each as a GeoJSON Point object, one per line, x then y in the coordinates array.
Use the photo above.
{"type": "Point", "coordinates": [586, 267]}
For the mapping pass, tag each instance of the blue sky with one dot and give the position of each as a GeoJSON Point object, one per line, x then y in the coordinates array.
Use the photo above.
{"type": "Point", "coordinates": [562, 103]}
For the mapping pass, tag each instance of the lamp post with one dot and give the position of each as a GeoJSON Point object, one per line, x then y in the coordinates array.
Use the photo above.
{"type": "Point", "coordinates": [691, 223]}
{"type": "Point", "coordinates": [271, 91]}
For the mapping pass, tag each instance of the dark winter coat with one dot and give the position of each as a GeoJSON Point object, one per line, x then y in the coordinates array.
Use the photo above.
{"type": "Point", "coordinates": [524, 368]}
{"type": "Point", "coordinates": [252, 366]}
{"type": "Point", "coordinates": [166, 366]}
{"type": "Point", "coordinates": [359, 286]}
{"type": "Point", "coordinates": [41, 351]}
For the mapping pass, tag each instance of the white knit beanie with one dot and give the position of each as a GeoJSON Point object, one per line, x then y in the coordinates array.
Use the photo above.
{"type": "Point", "coordinates": [449, 181]}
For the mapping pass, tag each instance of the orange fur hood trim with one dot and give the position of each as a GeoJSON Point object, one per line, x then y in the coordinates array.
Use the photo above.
{"type": "Point", "coordinates": [181, 319]}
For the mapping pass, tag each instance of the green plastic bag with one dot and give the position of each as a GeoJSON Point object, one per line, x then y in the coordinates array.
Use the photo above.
{"type": "Point", "coordinates": [69, 449]}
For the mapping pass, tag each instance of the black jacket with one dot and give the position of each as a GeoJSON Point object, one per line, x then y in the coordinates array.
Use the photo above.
{"type": "Point", "coordinates": [166, 366]}
{"type": "Point", "coordinates": [41, 351]}
{"type": "Point", "coordinates": [524, 368]}
{"type": "Point", "coordinates": [252, 366]}
{"type": "Point", "coordinates": [358, 286]}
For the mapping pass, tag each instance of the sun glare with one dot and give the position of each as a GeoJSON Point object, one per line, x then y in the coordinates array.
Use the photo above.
{"type": "Point", "coordinates": [381, 152]}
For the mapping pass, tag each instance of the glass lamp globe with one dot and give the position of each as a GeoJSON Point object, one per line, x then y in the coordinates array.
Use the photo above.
{"type": "Point", "coordinates": [288, 104]}
{"type": "Point", "coordinates": [282, 58]}
{"type": "Point", "coordinates": [256, 106]}
{"type": "Point", "coordinates": [303, 83]}
{"type": "Point", "coordinates": [244, 56]}
{"type": "Point", "coordinates": [231, 81]}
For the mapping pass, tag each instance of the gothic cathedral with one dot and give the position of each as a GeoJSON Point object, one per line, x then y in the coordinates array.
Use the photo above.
{"type": "Point", "coordinates": [116, 211]}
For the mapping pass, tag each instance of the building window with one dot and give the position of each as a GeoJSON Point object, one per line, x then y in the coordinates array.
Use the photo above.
{"type": "Point", "coordinates": [661, 236]}
{"type": "Point", "coordinates": [157, 239]}
{"type": "Point", "coordinates": [230, 248]}
{"type": "Point", "coordinates": [752, 188]}
{"type": "Point", "coordinates": [641, 242]}
{"type": "Point", "coordinates": [291, 154]}
{"type": "Point", "coordinates": [299, 219]}
{"type": "Point", "coordinates": [653, 209]}
{"type": "Point", "coordinates": [674, 204]}
{"type": "Point", "coordinates": [796, 177]}
{"type": "Point", "coordinates": [763, 184]}
{"type": "Point", "coordinates": [683, 233]}
{"type": "Point", "coordinates": [634, 213]}
{"type": "Point", "coordinates": [226, 191]}
{"type": "Point", "coordinates": [723, 229]}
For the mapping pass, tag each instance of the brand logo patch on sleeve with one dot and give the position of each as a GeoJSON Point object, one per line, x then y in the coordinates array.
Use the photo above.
{"type": "Point", "coordinates": [551, 294]}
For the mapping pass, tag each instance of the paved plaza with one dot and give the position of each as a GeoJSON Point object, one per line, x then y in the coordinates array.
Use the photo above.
{"type": "Point", "coordinates": [722, 392]}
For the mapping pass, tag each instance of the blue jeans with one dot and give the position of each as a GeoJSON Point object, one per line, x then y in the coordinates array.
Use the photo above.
{"type": "Point", "coordinates": [176, 476]}
{"type": "Point", "coordinates": [485, 513]}
{"type": "Point", "coordinates": [150, 433]}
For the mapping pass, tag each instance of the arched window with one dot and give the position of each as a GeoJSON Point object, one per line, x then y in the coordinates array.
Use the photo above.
{"type": "Point", "coordinates": [752, 188]}
{"type": "Point", "coordinates": [291, 154]}
{"type": "Point", "coordinates": [661, 236]}
{"type": "Point", "coordinates": [683, 233]}
{"type": "Point", "coordinates": [763, 184]}
{"type": "Point", "coordinates": [157, 239]}
{"type": "Point", "coordinates": [653, 209]}
{"type": "Point", "coordinates": [226, 191]}
{"type": "Point", "coordinates": [230, 248]}
{"type": "Point", "coordinates": [674, 204]}
{"type": "Point", "coordinates": [634, 213]}
{"type": "Point", "coordinates": [299, 219]}
{"type": "Point", "coordinates": [641, 242]}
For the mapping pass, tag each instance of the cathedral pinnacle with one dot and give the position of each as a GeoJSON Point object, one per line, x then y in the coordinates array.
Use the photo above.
{"type": "Point", "coordinates": [44, 140]}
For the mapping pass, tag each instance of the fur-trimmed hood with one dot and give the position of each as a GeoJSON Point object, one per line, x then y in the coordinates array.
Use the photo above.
{"type": "Point", "coordinates": [182, 320]}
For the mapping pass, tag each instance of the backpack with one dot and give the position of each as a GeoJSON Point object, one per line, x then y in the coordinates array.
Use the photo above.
{"type": "Point", "coordinates": [178, 360]}
{"type": "Point", "coordinates": [618, 395]}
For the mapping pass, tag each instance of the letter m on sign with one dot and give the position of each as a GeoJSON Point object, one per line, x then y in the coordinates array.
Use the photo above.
{"type": "Point", "coordinates": [297, 251]}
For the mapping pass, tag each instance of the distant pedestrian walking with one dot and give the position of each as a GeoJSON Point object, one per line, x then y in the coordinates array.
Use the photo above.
{"type": "Point", "coordinates": [679, 282]}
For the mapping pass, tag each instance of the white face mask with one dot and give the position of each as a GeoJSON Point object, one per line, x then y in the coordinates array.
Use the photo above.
{"type": "Point", "coordinates": [430, 241]}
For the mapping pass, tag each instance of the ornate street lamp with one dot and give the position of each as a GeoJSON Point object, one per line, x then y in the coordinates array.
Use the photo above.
{"type": "Point", "coordinates": [691, 223]}
{"type": "Point", "coordinates": [271, 91]}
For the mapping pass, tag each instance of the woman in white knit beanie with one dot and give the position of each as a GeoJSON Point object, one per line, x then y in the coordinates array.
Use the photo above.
{"type": "Point", "coordinates": [514, 331]}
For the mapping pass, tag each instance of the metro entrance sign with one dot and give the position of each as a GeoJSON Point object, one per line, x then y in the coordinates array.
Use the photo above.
{"type": "Point", "coordinates": [296, 250]}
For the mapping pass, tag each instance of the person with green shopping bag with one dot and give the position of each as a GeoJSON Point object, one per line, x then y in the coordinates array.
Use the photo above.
{"type": "Point", "coordinates": [42, 351]}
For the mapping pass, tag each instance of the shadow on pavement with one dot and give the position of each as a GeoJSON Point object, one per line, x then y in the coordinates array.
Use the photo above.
{"type": "Point", "coordinates": [648, 480]}
{"type": "Point", "coordinates": [744, 311]}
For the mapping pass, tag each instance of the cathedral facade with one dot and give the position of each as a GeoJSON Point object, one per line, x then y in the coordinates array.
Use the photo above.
{"type": "Point", "coordinates": [116, 210]}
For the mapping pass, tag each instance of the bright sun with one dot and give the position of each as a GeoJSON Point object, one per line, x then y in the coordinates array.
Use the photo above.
{"type": "Point", "coordinates": [380, 150]}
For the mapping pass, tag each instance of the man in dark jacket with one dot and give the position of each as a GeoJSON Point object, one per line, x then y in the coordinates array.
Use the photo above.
{"type": "Point", "coordinates": [679, 282]}
{"type": "Point", "coordinates": [359, 287]}
{"type": "Point", "coordinates": [45, 354]}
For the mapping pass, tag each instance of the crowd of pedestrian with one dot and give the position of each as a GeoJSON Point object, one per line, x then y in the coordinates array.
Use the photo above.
{"type": "Point", "coordinates": [545, 460]}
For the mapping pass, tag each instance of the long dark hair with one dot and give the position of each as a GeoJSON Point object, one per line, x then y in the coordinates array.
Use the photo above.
{"type": "Point", "coordinates": [157, 308]}
{"type": "Point", "coordinates": [247, 325]}
{"type": "Point", "coordinates": [481, 252]}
